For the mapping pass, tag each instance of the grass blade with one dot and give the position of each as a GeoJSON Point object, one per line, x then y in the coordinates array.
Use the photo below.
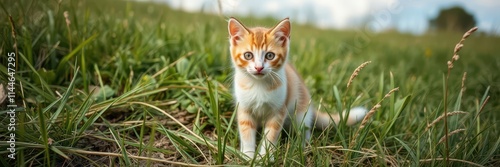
{"type": "Point", "coordinates": [62, 64]}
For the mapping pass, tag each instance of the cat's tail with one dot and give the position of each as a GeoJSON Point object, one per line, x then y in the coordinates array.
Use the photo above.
{"type": "Point", "coordinates": [324, 119]}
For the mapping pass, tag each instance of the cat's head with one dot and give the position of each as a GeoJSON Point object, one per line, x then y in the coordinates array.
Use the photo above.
{"type": "Point", "coordinates": [259, 51]}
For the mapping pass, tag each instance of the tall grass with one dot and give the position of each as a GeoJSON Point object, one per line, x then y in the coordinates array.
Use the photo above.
{"type": "Point", "coordinates": [140, 84]}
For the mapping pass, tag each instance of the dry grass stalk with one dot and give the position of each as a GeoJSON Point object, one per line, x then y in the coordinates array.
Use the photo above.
{"type": "Point", "coordinates": [14, 36]}
{"type": "Point", "coordinates": [319, 104]}
{"type": "Point", "coordinates": [68, 22]}
{"type": "Point", "coordinates": [463, 82]}
{"type": "Point", "coordinates": [356, 72]}
{"type": "Point", "coordinates": [370, 114]}
{"type": "Point", "coordinates": [484, 104]}
{"type": "Point", "coordinates": [66, 16]}
{"type": "Point", "coordinates": [450, 159]}
{"type": "Point", "coordinates": [459, 46]}
{"type": "Point", "coordinates": [3, 95]}
{"type": "Point", "coordinates": [442, 117]}
{"type": "Point", "coordinates": [367, 154]}
{"type": "Point", "coordinates": [13, 32]}
{"type": "Point", "coordinates": [449, 134]}
{"type": "Point", "coordinates": [390, 92]}
{"type": "Point", "coordinates": [455, 57]}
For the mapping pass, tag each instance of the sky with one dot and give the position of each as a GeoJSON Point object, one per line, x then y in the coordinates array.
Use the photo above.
{"type": "Point", "coordinates": [410, 16]}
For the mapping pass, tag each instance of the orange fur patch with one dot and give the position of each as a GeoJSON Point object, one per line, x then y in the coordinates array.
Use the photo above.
{"type": "Point", "coordinates": [272, 136]}
{"type": "Point", "coordinates": [274, 85]}
{"type": "Point", "coordinates": [247, 124]}
{"type": "Point", "coordinates": [278, 61]}
{"type": "Point", "coordinates": [273, 125]}
{"type": "Point", "coordinates": [259, 39]}
{"type": "Point", "coordinates": [239, 60]}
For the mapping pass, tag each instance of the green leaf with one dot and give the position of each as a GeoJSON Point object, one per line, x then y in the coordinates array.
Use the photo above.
{"type": "Point", "coordinates": [104, 93]}
{"type": "Point", "coordinates": [399, 106]}
{"type": "Point", "coordinates": [48, 75]}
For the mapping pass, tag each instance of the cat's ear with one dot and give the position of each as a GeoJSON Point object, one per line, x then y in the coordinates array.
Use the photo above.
{"type": "Point", "coordinates": [236, 30]}
{"type": "Point", "coordinates": [281, 31]}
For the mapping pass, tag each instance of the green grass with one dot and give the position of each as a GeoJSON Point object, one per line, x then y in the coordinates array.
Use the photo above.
{"type": "Point", "coordinates": [141, 84]}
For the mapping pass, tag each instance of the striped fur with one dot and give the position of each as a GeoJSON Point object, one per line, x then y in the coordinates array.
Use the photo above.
{"type": "Point", "coordinates": [268, 90]}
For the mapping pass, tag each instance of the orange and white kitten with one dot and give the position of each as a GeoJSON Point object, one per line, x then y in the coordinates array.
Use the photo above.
{"type": "Point", "coordinates": [268, 90]}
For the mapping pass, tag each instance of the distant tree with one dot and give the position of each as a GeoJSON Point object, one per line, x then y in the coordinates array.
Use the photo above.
{"type": "Point", "coordinates": [453, 19]}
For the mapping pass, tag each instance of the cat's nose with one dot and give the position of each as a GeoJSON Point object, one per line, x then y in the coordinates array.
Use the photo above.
{"type": "Point", "coordinates": [259, 69]}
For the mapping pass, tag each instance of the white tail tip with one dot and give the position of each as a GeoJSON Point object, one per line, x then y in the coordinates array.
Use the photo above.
{"type": "Point", "coordinates": [357, 113]}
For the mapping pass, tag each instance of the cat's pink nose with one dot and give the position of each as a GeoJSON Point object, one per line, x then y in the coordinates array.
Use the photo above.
{"type": "Point", "coordinates": [259, 69]}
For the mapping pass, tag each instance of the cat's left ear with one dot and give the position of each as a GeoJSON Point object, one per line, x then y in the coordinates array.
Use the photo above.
{"type": "Point", "coordinates": [281, 31]}
{"type": "Point", "coordinates": [236, 31]}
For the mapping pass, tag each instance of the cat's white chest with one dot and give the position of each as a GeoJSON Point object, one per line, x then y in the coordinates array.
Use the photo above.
{"type": "Point", "coordinates": [258, 98]}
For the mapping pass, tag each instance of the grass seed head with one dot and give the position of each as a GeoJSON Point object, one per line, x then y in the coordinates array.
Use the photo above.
{"type": "Point", "coordinates": [459, 47]}
{"type": "Point", "coordinates": [66, 16]}
{"type": "Point", "coordinates": [370, 114]}
{"type": "Point", "coordinates": [449, 134]}
{"type": "Point", "coordinates": [356, 72]}
{"type": "Point", "coordinates": [442, 116]}
{"type": "Point", "coordinates": [463, 82]}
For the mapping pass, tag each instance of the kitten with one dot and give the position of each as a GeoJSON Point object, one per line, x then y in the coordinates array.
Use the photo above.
{"type": "Point", "coordinates": [268, 90]}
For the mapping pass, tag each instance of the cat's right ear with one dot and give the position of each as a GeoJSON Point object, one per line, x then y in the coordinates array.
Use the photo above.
{"type": "Point", "coordinates": [236, 30]}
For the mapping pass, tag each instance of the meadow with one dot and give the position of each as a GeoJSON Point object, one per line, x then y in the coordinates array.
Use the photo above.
{"type": "Point", "coordinates": [107, 83]}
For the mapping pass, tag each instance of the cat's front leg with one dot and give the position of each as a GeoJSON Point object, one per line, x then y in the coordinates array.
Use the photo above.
{"type": "Point", "coordinates": [304, 119]}
{"type": "Point", "coordinates": [247, 128]}
{"type": "Point", "coordinates": [272, 130]}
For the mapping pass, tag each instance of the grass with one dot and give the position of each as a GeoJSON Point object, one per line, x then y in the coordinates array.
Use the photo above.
{"type": "Point", "coordinates": [127, 83]}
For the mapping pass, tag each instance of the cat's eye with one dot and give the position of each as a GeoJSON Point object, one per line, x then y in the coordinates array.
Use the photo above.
{"type": "Point", "coordinates": [248, 55]}
{"type": "Point", "coordinates": [269, 55]}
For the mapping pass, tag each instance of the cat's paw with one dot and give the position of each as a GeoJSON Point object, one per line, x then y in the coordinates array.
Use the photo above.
{"type": "Point", "coordinates": [249, 155]}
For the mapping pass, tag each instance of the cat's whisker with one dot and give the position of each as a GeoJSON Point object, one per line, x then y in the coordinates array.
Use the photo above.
{"type": "Point", "coordinates": [273, 76]}
{"type": "Point", "coordinates": [279, 77]}
{"type": "Point", "coordinates": [229, 80]}
{"type": "Point", "coordinates": [276, 78]}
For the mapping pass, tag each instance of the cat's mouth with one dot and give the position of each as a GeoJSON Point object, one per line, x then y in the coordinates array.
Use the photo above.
{"type": "Point", "coordinates": [258, 74]}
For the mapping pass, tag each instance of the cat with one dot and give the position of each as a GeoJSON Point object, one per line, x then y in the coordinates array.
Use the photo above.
{"type": "Point", "coordinates": [268, 90]}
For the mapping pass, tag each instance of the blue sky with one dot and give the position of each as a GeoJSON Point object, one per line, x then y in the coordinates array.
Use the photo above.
{"type": "Point", "coordinates": [404, 15]}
